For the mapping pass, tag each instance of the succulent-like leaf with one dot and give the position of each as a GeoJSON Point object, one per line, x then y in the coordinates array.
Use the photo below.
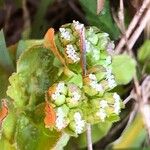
{"type": "Point", "coordinates": [25, 45]}
{"type": "Point", "coordinates": [144, 55]}
{"type": "Point", "coordinates": [32, 136]}
{"type": "Point", "coordinates": [123, 68]}
{"type": "Point", "coordinates": [35, 72]}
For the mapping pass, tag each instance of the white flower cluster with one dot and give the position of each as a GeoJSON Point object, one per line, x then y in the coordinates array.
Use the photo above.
{"type": "Point", "coordinates": [77, 25]}
{"type": "Point", "coordinates": [117, 103]}
{"type": "Point", "coordinates": [110, 78]}
{"type": "Point", "coordinates": [79, 123]}
{"type": "Point", "coordinates": [94, 84]}
{"type": "Point", "coordinates": [76, 96]}
{"type": "Point", "coordinates": [58, 91]}
{"type": "Point", "coordinates": [60, 120]}
{"type": "Point", "coordinates": [65, 34]}
{"type": "Point", "coordinates": [102, 113]}
{"type": "Point", "coordinates": [71, 53]}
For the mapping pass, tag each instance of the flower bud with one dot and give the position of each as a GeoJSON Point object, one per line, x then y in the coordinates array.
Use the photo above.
{"type": "Point", "coordinates": [60, 100]}
{"type": "Point", "coordinates": [57, 93]}
{"type": "Point", "coordinates": [92, 86]}
{"type": "Point", "coordinates": [61, 118]}
{"type": "Point", "coordinates": [77, 124]}
{"type": "Point", "coordinates": [74, 96]}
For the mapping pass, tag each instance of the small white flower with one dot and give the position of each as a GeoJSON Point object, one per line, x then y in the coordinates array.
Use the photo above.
{"type": "Point", "coordinates": [76, 96]}
{"type": "Point", "coordinates": [92, 77]}
{"type": "Point", "coordinates": [88, 46]}
{"type": "Point", "coordinates": [102, 114]}
{"type": "Point", "coordinates": [108, 60]}
{"type": "Point", "coordinates": [93, 83]}
{"type": "Point", "coordinates": [54, 96]}
{"type": "Point", "coordinates": [60, 87]}
{"type": "Point", "coordinates": [58, 91]}
{"type": "Point", "coordinates": [108, 70]}
{"type": "Point", "coordinates": [78, 25]}
{"type": "Point", "coordinates": [116, 96]}
{"type": "Point", "coordinates": [117, 103]}
{"type": "Point", "coordinates": [65, 34]}
{"type": "Point", "coordinates": [98, 87]}
{"type": "Point", "coordinates": [77, 116]}
{"type": "Point", "coordinates": [71, 53]}
{"type": "Point", "coordinates": [96, 54]}
{"type": "Point", "coordinates": [110, 78]}
{"type": "Point", "coordinates": [60, 120]}
{"type": "Point", "coordinates": [111, 83]}
{"type": "Point", "coordinates": [79, 123]}
{"type": "Point", "coordinates": [103, 104]}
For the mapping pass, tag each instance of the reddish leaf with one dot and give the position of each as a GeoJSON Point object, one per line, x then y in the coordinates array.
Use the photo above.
{"type": "Point", "coordinates": [50, 116]}
{"type": "Point", "coordinates": [49, 42]}
{"type": "Point", "coordinates": [3, 111]}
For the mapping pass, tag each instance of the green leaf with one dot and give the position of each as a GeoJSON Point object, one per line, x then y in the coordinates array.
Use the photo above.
{"type": "Point", "coordinates": [3, 82]}
{"type": "Point", "coordinates": [144, 55]}
{"type": "Point", "coordinates": [32, 136]}
{"type": "Point", "coordinates": [104, 20]}
{"type": "Point", "coordinates": [25, 45]}
{"type": "Point", "coordinates": [9, 125]}
{"type": "Point", "coordinates": [133, 136]}
{"type": "Point", "coordinates": [35, 73]}
{"type": "Point", "coordinates": [123, 68]}
{"type": "Point", "coordinates": [5, 145]}
{"type": "Point", "coordinates": [5, 59]}
{"type": "Point", "coordinates": [77, 79]}
{"type": "Point", "coordinates": [62, 142]}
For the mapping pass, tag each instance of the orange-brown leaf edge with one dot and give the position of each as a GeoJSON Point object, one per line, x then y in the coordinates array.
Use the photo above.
{"type": "Point", "coordinates": [50, 116]}
{"type": "Point", "coordinates": [3, 111]}
{"type": "Point", "coordinates": [49, 42]}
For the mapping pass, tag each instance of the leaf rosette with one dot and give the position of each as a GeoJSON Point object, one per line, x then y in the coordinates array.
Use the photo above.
{"type": "Point", "coordinates": [49, 80]}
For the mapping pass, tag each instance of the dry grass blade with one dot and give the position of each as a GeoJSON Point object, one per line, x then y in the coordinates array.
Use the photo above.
{"type": "Point", "coordinates": [100, 5]}
{"type": "Point", "coordinates": [132, 25]}
{"type": "Point", "coordinates": [83, 50]}
{"type": "Point", "coordinates": [139, 29]}
{"type": "Point", "coordinates": [121, 15]}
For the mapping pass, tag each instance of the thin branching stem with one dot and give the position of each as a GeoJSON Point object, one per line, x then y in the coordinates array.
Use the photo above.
{"type": "Point", "coordinates": [89, 137]}
{"type": "Point", "coordinates": [139, 29]}
{"type": "Point", "coordinates": [84, 72]}
{"type": "Point", "coordinates": [132, 26]}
